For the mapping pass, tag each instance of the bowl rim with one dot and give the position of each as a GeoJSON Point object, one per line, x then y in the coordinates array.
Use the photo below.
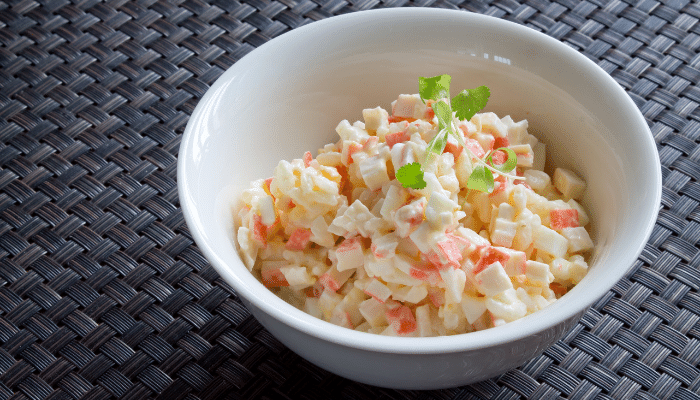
{"type": "Point", "coordinates": [292, 317]}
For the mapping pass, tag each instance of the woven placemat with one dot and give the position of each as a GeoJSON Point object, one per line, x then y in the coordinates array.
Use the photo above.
{"type": "Point", "coordinates": [103, 293]}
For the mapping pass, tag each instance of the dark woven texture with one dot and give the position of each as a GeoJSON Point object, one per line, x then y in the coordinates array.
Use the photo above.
{"type": "Point", "coordinates": [103, 293]}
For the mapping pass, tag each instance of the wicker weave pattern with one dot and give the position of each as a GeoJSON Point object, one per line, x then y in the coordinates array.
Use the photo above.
{"type": "Point", "coordinates": [103, 293]}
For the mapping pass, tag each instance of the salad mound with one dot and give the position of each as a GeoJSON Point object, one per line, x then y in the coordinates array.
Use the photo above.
{"type": "Point", "coordinates": [434, 220]}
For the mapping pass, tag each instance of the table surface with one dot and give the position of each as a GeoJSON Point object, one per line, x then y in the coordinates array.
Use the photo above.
{"type": "Point", "coordinates": [103, 293]}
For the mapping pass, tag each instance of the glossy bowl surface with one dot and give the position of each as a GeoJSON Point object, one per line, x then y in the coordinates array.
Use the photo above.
{"type": "Point", "coordinates": [287, 96]}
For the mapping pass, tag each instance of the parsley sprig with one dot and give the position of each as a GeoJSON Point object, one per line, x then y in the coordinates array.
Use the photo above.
{"type": "Point", "coordinates": [462, 107]}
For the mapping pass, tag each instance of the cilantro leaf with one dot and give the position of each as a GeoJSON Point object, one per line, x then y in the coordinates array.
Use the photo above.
{"type": "Point", "coordinates": [508, 165]}
{"type": "Point", "coordinates": [435, 88]}
{"type": "Point", "coordinates": [464, 106]}
{"type": "Point", "coordinates": [470, 101]}
{"type": "Point", "coordinates": [411, 176]}
{"type": "Point", "coordinates": [481, 179]}
{"type": "Point", "coordinates": [443, 114]}
{"type": "Point", "coordinates": [437, 145]}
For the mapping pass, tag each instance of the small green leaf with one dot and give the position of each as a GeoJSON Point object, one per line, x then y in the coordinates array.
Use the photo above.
{"type": "Point", "coordinates": [437, 145]}
{"type": "Point", "coordinates": [481, 179]}
{"type": "Point", "coordinates": [435, 88]}
{"type": "Point", "coordinates": [470, 101]}
{"type": "Point", "coordinates": [443, 114]}
{"type": "Point", "coordinates": [411, 176]}
{"type": "Point", "coordinates": [508, 165]}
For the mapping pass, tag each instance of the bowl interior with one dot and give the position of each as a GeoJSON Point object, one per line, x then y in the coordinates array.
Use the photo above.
{"type": "Point", "coordinates": [287, 97]}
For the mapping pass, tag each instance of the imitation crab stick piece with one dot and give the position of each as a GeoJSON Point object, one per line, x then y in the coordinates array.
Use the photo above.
{"type": "Point", "coordinates": [475, 147]}
{"type": "Point", "coordinates": [271, 274]}
{"type": "Point", "coordinates": [436, 296]}
{"type": "Point", "coordinates": [410, 216]}
{"type": "Point", "coordinates": [448, 250]}
{"type": "Point", "coordinates": [501, 142]}
{"type": "Point", "coordinates": [499, 189]}
{"type": "Point", "coordinates": [560, 219]}
{"type": "Point", "coordinates": [334, 279]}
{"type": "Point", "coordinates": [374, 312]}
{"type": "Point", "coordinates": [307, 159]}
{"type": "Point", "coordinates": [371, 142]}
{"type": "Point", "coordinates": [377, 290]}
{"type": "Point", "coordinates": [429, 112]}
{"type": "Point", "coordinates": [402, 154]}
{"type": "Point", "coordinates": [398, 137]}
{"type": "Point", "coordinates": [423, 271]}
{"type": "Point", "coordinates": [524, 154]}
{"type": "Point", "coordinates": [349, 254]}
{"type": "Point", "coordinates": [515, 264]}
{"type": "Point", "coordinates": [401, 319]}
{"type": "Point", "coordinates": [315, 290]}
{"type": "Point", "coordinates": [341, 317]}
{"type": "Point", "coordinates": [486, 141]}
{"type": "Point", "coordinates": [499, 157]}
{"type": "Point", "coordinates": [352, 149]}
{"type": "Point", "coordinates": [266, 185]}
{"type": "Point", "coordinates": [299, 239]}
{"type": "Point", "coordinates": [490, 255]}
{"type": "Point", "coordinates": [374, 172]}
{"type": "Point", "coordinates": [394, 118]}
{"type": "Point", "coordinates": [453, 148]}
{"type": "Point", "coordinates": [459, 241]}
{"type": "Point", "coordinates": [259, 230]}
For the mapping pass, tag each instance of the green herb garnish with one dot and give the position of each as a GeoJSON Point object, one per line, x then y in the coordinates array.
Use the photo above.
{"type": "Point", "coordinates": [481, 179]}
{"type": "Point", "coordinates": [469, 102]}
{"type": "Point", "coordinates": [508, 165]}
{"type": "Point", "coordinates": [463, 107]}
{"type": "Point", "coordinates": [411, 176]}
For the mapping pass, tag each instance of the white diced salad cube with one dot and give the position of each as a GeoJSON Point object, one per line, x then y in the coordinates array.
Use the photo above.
{"type": "Point", "coordinates": [578, 238]}
{"type": "Point", "coordinates": [517, 131]}
{"type": "Point", "coordinates": [373, 170]}
{"type": "Point", "coordinates": [538, 273]}
{"type": "Point", "coordinates": [493, 280]}
{"type": "Point", "coordinates": [569, 183]}
{"type": "Point", "coordinates": [408, 106]}
{"type": "Point", "coordinates": [549, 241]}
{"type": "Point", "coordinates": [349, 254]}
{"type": "Point", "coordinates": [375, 118]}
{"type": "Point", "coordinates": [506, 306]}
{"type": "Point", "coordinates": [473, 307]}
{"type": "Point", "coordinates": [538, 180]}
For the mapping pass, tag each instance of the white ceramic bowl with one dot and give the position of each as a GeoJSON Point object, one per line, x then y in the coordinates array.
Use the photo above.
{"type": "Point", "coordinates": [288, 95]}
